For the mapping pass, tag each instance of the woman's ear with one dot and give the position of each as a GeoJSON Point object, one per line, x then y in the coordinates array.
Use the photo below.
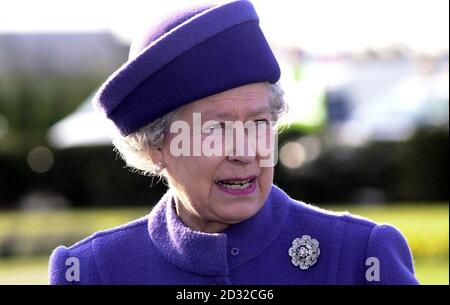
{"type": "Point", "coordinates": [156, 155]}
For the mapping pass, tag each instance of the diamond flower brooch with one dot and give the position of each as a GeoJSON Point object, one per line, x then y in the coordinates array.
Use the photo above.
{"type": "Point", "coordinates": [304, 252]}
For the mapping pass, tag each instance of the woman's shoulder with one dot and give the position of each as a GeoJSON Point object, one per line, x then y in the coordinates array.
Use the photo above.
{"type": "Point", "coordinates": [358, 240]}
{"type": "Point", "coordinates": [116, 234]}
{"type": "Point", "coordinates": [64, 260]}
{"type": "Point", "coordinates": [352, 226]}
{"type": "Point", "coordinates": [354, 229]}
{"type": "Point", "coordinates": [300, 211]}
{"type": "Point", "coordinates": [320, 215]}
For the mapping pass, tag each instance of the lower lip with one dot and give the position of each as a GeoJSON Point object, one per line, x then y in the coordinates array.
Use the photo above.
{"type": "Point", "coordinates": [239, 192]}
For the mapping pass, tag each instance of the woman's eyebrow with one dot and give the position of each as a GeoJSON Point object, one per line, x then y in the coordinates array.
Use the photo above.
{"type": "Point", "coordinates": [228, 114]}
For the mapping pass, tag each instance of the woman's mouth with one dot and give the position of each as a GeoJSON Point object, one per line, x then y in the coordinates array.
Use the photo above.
{"type": "Point", "coordinates": [237, 186]}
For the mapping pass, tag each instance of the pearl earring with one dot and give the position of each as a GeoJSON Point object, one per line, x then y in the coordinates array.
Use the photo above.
{"type": "Point", "coordinates": [158, 168]}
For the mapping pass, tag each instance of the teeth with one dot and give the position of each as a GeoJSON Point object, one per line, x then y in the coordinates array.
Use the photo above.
{"type": "Point", "coordinates": [235, 185]}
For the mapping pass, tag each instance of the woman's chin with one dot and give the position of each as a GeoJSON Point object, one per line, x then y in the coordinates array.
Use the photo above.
{"type": "Point", "coordinates": [234, 212]}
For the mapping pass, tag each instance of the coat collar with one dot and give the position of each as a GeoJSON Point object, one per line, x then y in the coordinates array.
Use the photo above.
{"type": "Point", "coordinates": [216, 254]}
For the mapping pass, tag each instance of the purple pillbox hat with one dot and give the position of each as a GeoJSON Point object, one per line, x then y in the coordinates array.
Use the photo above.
{"type": "Point", "coordinates": [191, 55]}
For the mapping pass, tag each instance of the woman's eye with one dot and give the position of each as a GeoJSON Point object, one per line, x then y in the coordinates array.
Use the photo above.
{"type": "Point", "coordinates": [211, 129]}
{"type": "Point", "coordinates": [262, 122]}
{"type": "Point", "coordinates": [262, 126]}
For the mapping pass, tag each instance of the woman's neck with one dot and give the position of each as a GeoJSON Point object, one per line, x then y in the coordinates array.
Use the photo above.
{"type": "Point", "coordinates": [195, 222]}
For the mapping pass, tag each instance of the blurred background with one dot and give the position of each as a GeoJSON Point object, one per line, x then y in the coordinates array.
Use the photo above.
{"type": "Point", "coordinates": [368, 87]}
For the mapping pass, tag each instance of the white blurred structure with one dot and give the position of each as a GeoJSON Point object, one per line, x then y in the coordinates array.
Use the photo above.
{"type": "Point", "coordinates": [84, 127]}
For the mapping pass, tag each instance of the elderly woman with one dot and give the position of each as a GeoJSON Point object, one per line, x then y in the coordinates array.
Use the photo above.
{"type": "Point", "coordinates": [179, 101]}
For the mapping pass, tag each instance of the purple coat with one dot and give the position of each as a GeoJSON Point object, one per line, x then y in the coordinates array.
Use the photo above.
{"type": "Point", "coordinates": [160, 249]}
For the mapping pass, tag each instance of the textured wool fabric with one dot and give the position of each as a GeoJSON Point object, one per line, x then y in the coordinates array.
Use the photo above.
{"type": "Point", "coordinates": [192, 54]}
{"type": "Point", "coordinates": [160, 249]}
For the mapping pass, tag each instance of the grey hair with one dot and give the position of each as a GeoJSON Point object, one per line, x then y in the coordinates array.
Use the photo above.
{"type": "Point", "coordinates": [134, 148]}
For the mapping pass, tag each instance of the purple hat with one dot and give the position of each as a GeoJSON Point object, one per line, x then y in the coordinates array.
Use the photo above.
{"type": "Point", "coordinates": [193, 54]}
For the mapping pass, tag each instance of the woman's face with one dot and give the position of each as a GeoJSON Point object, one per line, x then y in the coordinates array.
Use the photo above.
{"type": "Point", "coordinates": [214, 191]}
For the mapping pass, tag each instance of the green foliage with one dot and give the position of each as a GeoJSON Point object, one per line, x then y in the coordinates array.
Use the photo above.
{"type": "Point", "coordinates": [413, 170]}
{"type": "Point", "coordinates": [32, 105]}
{"type": "Point", "coordinates": [421, 165]}
{"type": "Point", "coordinates": [83, 176]}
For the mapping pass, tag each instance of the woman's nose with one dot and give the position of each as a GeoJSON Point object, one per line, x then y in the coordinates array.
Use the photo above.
{"type": "Point", "coordinates": [241, 159]}
{"type": "Point", "coordinates": [243, 150]}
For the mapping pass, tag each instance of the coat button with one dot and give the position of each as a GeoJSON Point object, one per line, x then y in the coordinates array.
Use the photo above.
{"type": "Point", "coordinates": [234, 251]}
